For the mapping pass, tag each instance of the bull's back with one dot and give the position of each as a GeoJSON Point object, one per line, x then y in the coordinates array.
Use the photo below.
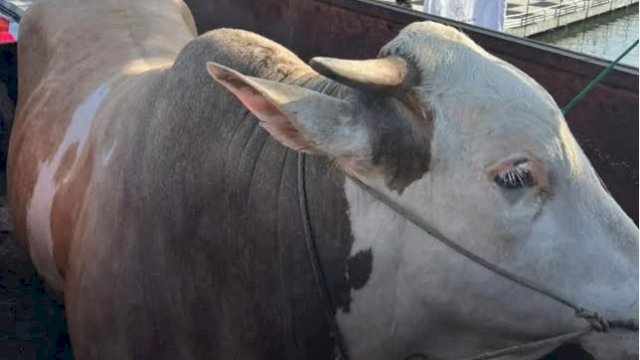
{"type": "Point", "coordinates": [75, 57]}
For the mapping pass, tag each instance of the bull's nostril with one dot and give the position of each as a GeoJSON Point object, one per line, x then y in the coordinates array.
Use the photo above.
{"type": "Point", "coordinates": [569, 352]}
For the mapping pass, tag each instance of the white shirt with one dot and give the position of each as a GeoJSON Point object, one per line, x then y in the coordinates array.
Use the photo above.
{"type": "Point", "coordinates": [485, 13]}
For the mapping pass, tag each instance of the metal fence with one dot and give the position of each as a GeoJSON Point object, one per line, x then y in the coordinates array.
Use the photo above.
{"type": "Point", "coordinates": [563, 8]}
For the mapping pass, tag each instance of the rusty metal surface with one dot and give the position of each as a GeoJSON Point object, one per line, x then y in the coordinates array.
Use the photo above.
{"type": "Point", "coordinates": [605, 123]}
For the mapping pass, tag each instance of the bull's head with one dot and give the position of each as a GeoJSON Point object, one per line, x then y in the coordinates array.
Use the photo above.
{"type": "Point", "coordinates": [482, 152]}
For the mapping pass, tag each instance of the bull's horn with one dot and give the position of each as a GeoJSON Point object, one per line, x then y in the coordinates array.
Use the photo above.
{"type": "Point", "coordinates": [374, 75]}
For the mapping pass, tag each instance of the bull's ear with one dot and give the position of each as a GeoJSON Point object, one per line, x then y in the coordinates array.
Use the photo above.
{"type": "Point", "coordinates": [299, 118]}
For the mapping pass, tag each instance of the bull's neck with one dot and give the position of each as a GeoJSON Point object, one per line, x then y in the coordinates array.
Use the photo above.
{"type": "Point", "coordinates": [206, 105]}
{"type": "Point", "coordinates": [325, 197]}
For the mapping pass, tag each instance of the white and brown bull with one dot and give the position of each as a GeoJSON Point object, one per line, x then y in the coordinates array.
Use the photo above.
{"type": "Point", "coordinates": [168, 213]}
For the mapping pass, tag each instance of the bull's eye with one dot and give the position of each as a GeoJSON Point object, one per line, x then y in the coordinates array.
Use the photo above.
{"type": "Point", "coordinates": [517, 177]}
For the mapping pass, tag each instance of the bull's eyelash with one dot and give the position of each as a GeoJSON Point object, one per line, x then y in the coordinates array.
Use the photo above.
{"type": "Point", "coordinates": [517, 177]}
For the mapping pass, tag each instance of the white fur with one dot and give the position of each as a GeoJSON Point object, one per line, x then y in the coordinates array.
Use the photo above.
{"type": "Point", "coordinates": [422, 296]}
{"type": "Point", "coordinates": [39, 209]}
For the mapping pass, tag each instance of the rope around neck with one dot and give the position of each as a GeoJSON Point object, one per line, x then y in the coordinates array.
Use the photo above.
{"type": "Point", "coordinates": [595, 321]}
{"type": "Point", "coordinates": [316, 265]}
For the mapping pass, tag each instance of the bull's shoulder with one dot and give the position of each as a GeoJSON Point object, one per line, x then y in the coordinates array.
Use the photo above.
{"type": "Point", "coordinates": [245, 51]}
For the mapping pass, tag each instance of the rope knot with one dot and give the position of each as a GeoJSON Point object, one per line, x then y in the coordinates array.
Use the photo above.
{"type": "Point", "coordinates": [597, 322]}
